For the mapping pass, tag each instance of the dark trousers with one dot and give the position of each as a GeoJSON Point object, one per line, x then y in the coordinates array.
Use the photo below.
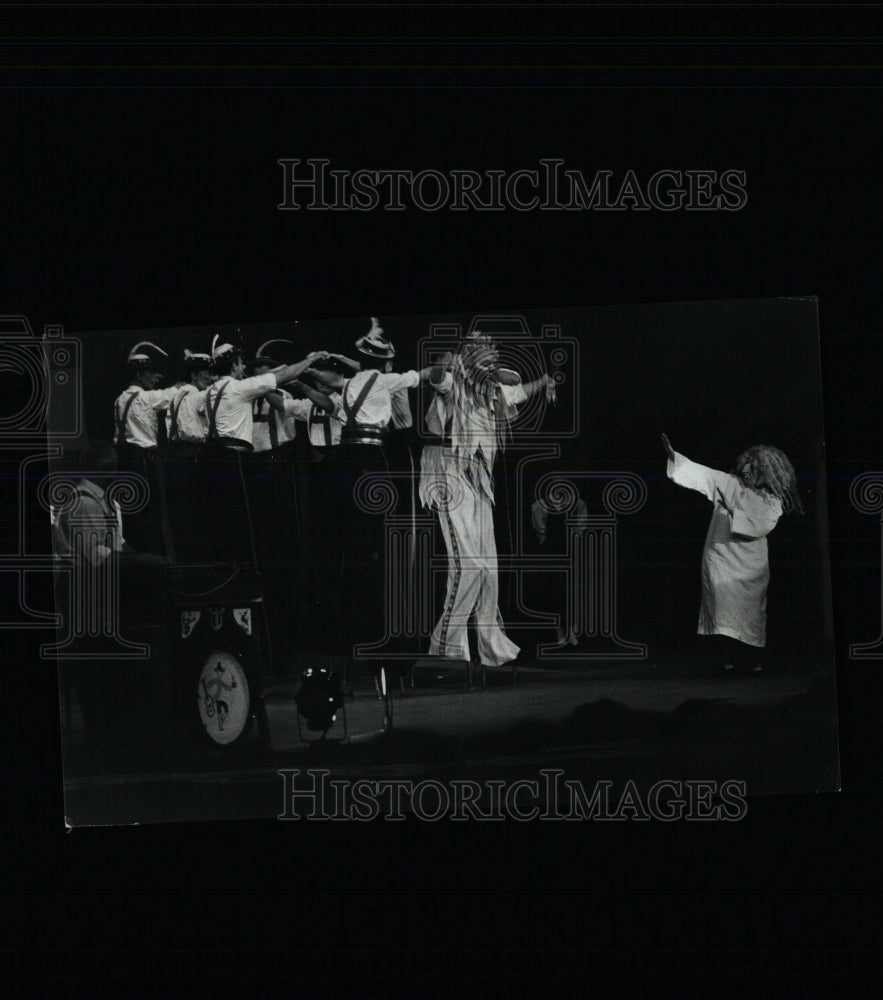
{"type": "Point", "coordinates": [226, 527]}
{"type": "Point", "coordinates": [186, 499]}
{"type": "Point", "coordinates": [146, 530]}
{"type": "Point", "coordinates": [270, 479]}
{"type": "Point", "coordinates": [322, 548]}
{"type": "Point", "coordinates": [363, 561]}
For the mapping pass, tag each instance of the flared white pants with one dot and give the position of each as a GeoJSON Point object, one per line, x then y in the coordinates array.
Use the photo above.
{"type": "Point", "coordinates": [467, 524]}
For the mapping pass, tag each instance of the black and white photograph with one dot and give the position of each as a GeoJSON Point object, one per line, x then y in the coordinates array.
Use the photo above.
{"type": "Point", "coordinates": [449, 547]}
{"type": "Point", "coordinates": [444, 479]}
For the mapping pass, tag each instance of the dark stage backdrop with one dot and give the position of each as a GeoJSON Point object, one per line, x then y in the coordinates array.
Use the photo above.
{"type": "Point", "coordinates": [717, 377]}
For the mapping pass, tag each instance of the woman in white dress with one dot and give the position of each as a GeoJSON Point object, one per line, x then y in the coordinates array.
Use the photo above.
{"type": "Point", "coordinates": [748, 503]}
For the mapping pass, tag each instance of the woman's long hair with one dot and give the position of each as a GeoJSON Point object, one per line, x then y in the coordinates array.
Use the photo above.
{"type": "Point", "coordinates": [767, 469]}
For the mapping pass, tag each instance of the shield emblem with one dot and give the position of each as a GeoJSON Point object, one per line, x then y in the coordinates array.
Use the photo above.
{"type": "Point", "coordinates": [189, 621]}
{"type": "Point", "coordinates": [223, 697]}
{"type": "Point", "coordinates": [242, 617]}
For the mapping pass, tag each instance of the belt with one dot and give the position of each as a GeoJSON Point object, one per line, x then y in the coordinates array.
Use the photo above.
{"type": "Point", "coordinates": [140, 449]}
{"type": "Point", "coordinates": [285, 452]}
{"type": "Point", "coordinates": [231, 444]}
{"type": "Point", "coordinates": [363, 434]}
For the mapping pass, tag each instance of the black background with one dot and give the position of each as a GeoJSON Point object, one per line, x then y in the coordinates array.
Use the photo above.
{"type": "Point", "coordinates": [140, 190]}
{"type": "Point", "coordinates": [716, 376]}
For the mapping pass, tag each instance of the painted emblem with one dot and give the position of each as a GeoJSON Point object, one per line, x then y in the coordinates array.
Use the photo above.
{"type": "Point", "coordinates": [189, 621]}
{"type": "Point", "coordinates": [223, 697]}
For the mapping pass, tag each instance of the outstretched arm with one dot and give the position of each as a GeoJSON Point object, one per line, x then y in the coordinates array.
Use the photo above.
{"type": "Point", "coordinates": [543, 382]}
{"type": "Point", "coordinates": [331, 380]}
{"type": "Point", "coordinates": [288, 373]}
{"type": "Point", "coordinates": [718, 487]}
{"type": "Point", "coordinates": [319, 398]}
{"type": "Point", "coordinates": [354, 365]}
{"type": "Point", "coordinates": [276, 401]}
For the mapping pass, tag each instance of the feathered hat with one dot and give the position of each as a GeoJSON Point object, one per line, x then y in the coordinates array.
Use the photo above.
{"type": "Point", "coordinates": [223, 350]}
{"type": "Point", "coordinates": [273, 352]}
{"type": "Point", "coordinates": [194, 361]}
{"type": "Point", "coordinates": [146, 355]}
{"type": "Point", "coordinates": [375, 344]}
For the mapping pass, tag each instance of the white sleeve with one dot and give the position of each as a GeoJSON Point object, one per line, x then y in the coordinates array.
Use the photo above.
{"type": "Point", "coordinates": [513, 395]}
{"type": "Point", "coordinates": [393, 381]}
{"type": "Point", "coordinates": [714, 484]}
{"type": "Point", "coordinates": [298, 408]}
{"type": "Point", "coordinates": [159, 399]}
{"type": "Point", "coordinates": [256, 386]}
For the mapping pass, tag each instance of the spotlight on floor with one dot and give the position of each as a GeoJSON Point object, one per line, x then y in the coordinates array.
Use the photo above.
{"type": "Point", "coordinates": [318, 700]}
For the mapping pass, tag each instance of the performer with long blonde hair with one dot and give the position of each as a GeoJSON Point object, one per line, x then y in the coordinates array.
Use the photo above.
{"type": "Point", "coordinates": [748, 503]}
{"type": "Point", "coordinates": [475, 401]}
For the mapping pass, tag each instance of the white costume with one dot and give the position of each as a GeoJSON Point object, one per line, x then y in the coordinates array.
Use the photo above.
{"type": "Point", "coordinates": [187, 421]}
{"type": "Point", "coordinates": [228, 405]}
{"type": "Point", "coordinates": [323, 428]}
{"type": "Point", "coordinates": [380, 405]}
{"type": "Point", "coordinates": [456, 479]}
{"type": "Point", "coordinates": [135, 412]}
{"type": "Point", "coordinates": [735, 563]}
{"type": "Point", "coordinates": [272, 429]}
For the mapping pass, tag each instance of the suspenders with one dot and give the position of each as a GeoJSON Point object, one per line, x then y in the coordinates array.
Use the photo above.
{"type": "Point", "coordinates": [123, 416]}
{"type": "Point", "coordinates": [270, 419]}
{"type": "Point", "coordinates": [174, 407]}
{"type": "Point", "coordinates": [352, 410]}
{"type": "Point", "coordinates": [212, 411]}
{"type": "Point", "coordinates": [319, 418]}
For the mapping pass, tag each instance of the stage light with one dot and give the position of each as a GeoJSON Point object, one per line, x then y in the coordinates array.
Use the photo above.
{"type": "Point", "coordinates": [319, 699]}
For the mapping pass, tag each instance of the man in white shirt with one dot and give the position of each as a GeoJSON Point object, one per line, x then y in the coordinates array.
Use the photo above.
{"type": "Point", "coordinates": [228, 529]}
{"type": "Point", "coordinates": [321, 498]}
{"type": "Point", "coordinates": [136, 437]}
{"type": "Point", "coordinates": [272, 479]}
{"type": "Point", "coordinates": [187, 432]}
{"type": "Point", "coordinates": [275, 413]}
{"type": "Point", "coordinates": [365, 413]}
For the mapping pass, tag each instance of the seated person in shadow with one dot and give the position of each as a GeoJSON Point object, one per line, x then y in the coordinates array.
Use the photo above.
{"type": "Point", "coordinates": [91, 529]}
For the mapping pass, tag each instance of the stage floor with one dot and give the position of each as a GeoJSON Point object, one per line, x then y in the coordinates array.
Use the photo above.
{"type": "Point", "coordinates": [628, 721]}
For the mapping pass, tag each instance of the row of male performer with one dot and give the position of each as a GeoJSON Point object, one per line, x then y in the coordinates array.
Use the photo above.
{"type": "Point", "coordinates": [217, 451]}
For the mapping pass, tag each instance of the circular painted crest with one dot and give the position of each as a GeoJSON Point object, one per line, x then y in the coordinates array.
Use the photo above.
{"type": "Point", "coordinates": [223, 697]}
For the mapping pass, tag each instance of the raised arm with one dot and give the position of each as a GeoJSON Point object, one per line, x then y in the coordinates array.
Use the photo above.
{"type": "Point", "coordinates": [331, 380]}
{"type": "Point", "coordinates": [319, 398]}
{"type": "Point", "coordinates": [276, 400]}
{"type": "Point", "coordinates": [288, 373]}
{"type": "Point", "coordinates": [354, 365]}
{"type": "Point", "coordinates": [719, 487]}
{"type": "Point", "coordinates": [543, 382]}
